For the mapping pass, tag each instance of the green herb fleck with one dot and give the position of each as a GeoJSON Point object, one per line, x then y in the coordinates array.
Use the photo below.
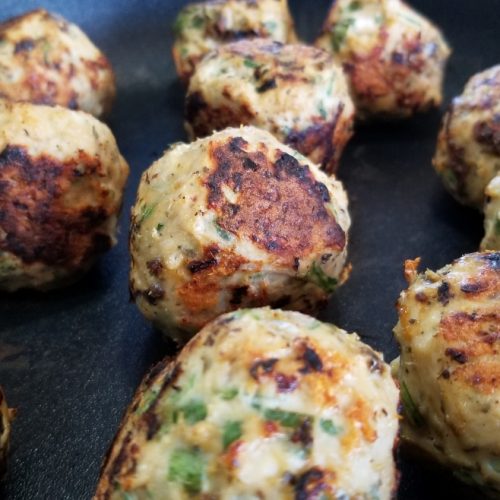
{"type": "Point", "coordinates": [194, 411]}
{"type": "Point", "coordinates": [159, 227]}
{"type": "Point", "coordinates": [270, 26]}
{"type": "Point", "coordinates": [180, 23]}
{"type": "Point", "coordinates": [318, 276]}
{"type": "Point", "coordinates": [148, 399]}
{"type": "Point", "coordinates": [285, 418]}
{"type": "Point", "coordinates": [250, 63]}
{"type": "Point", "coordinates": [221, 232]}
{"type": "Point", "coordinates": [353, 6]}
{"type": "Point", "coordinates": [322, 110]}
{"type": "Point", "coordinates": [186, 468]}
{"type": "Point", "coordinates": [231, 432]}
{"type": "Point", "coordinates": [229, 393]}
{"type": "Point", "coordinates": [197, 22]}
{"type": "Point", "coordinates": [329, 427]}
{"type": "Point", "coordinates": [410, 408]}
{"type": "Point", "coordinates": [146, 211]}
{"type": "Point", "coordinates": [339, 33]}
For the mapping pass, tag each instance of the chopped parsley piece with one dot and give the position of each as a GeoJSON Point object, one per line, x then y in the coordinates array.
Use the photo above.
{"type": "Point", "coordinates": [146, 211]}
{"type": "Point", "coordinates": [318, 276]}
{"type": "Point", "coordinates": [329, 427]}
{"type": "Point", "coordinates": [322, 110]}
{"type": "Point", "coordinates": [339, 33]}
{"type": "Point", "coordinates": [410, 408]}
{"type": "Point", "coordinates": [250, 63]}
{"type": "Point", "coordinates": [180, 23]}
{"type": "Point", "coordinates": [159, 227]}
{"type": "Point", "coordinates": [148, 400]}
{"type": "Point", "coordinates": [194, 411]}
{"type": "Point", "coordinates": [221, 232]}
{"type": "Point", "coordinates": [229, 393]}
{"type": "Point", "coordinates": [197, 22]}
{"type": "Point", "coordinates": [285, 418]}
{"type": "Point", "coordinates": [186, 468]}
{"type": "Point", "coordinates": [231, 433]}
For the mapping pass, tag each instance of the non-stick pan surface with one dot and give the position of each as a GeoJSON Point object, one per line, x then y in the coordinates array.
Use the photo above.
{"type": "Point", "coordinates": [70, 360]}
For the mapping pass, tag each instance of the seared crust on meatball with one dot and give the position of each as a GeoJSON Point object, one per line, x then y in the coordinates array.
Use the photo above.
{"type": "Point", "coordinates": [260, 404]}
{"type": "Point", "coordinates": [491, 240]}
{"type": "Point", "coordinates": [234, 220]}
{"type": "Point", "coordinates": [47, 60]}
{"type": "Point", "coordinates": [449, 332]}
{"type": "Point", "coordinates": [296, 92]}
{"type": "Point", "coordinates": [468, 149]}
{"type": "Point", "coordinates": [61, 185]}
{"type": "Point", "coordinates": [393, 56]}
{"type": "Point", "coordinates": [5, 416]}
{"type": "Point", "coordinates": [202, 27]}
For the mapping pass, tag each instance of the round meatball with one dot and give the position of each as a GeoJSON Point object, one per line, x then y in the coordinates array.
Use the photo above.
{"type": "Point", "coordinates": [260, 404]}
{"type": "Point", "coordinates": [296, 92]}
{"type": "Point", "coordinates": [468, 150]}
{"type": "Point", "coordinates": [491, 239]}
{"type": "Point", "coordinates": [61, 185]}
{"type": "Point", "coordinates": [449, 332]}
{"type": "Point", "coordinates": [234, 220]}
{"type": "Point", "coordinates": [202, 27]}
{"type": "Point", "coordinates": [47, 60]}
{"type": "Point", "coordinates": [5, 417]}
{"type": "Point", "coordinates": [393, 56]}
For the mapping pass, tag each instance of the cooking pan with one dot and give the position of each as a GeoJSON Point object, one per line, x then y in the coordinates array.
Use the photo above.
{"type": "Point", "coordinates": [70, 360]}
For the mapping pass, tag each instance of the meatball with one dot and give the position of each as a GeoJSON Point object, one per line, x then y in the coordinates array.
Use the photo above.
{"type": "Point", "coordinates": [234, 220]}
{"type": "Point", "coordinates": [202, 27]}
{"type": "Point", "coordinates": [5, 417]}
{"type": "Point", "coordinates": [449, 371]}
{"type": "Point", "coordinates": [296, 92]}
{"type": "Point", "coordinates": [45, 59]}
{"type": "Point", "coordinates": [491, 239]}
{"type": "Point", "coordinates": [260, 404]}
{"type": "Point", "coordinates": [61, 185]}
{"type": "Point", "coordinates": [393, 56]}
{"type": "Point", "coordinates": [468, 150]}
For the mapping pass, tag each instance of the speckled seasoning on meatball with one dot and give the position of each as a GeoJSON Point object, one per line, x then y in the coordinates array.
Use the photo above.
{"type": "Point", "coordinates": [491, 240]}
{"type": "Point", "coordinates": [61, 185]}
{"type": "Point", "coordinates": [449, 370]}
{"type": "Point", "coordinates": [234, 220]}
{"type": "Point", "coordinates": [394, 57]}
{"type": "Point", "coordinates": [47, 60]}
{"type": "Point", "coordinates": [296, 92]}
{"type": "Point", "coordinates": [260, 404]}
{"type": "Point", "coordinates": [468, 150]}
{"type": "Point", "coordinates": [204, 26]}
{"type": "Point", "coordinates": [5, 417]}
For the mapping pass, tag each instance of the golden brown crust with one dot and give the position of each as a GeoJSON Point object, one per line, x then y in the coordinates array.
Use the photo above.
{"type": "Point", "coordinates": [288, 234]}
{"type": "Point", "coordinates": [40, 223]}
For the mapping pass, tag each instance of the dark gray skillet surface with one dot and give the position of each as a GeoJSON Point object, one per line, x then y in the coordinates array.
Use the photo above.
{"type": "Point", "coordinates": [71, 360]}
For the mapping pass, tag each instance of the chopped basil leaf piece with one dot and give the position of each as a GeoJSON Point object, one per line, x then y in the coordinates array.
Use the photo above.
{"type": "Point", "coordinates": [160, 226]}
{"type": "Point", "coordinates": [186, 468]}
{"type": "Point", "coordinates": [230, 393]}
{"type": "Point", "coordinates": [411, 409]}
{"type": "Point", "coordinates": [318, 276]}
{"type": "Point", "coordinates": [249, 63]}
{"type": "Point", "coordinates": [194, 411]}
{"type": "Point", "coordinates": [231, 433]}
{"type": "Point", "coordinates": [197, 22]}
{"type": "Point", "coordinates": [221, 232]}
{"type": "Point", "coordinates": [146, 211]}
{"type": "Point", "coordinates": [329, 427]}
